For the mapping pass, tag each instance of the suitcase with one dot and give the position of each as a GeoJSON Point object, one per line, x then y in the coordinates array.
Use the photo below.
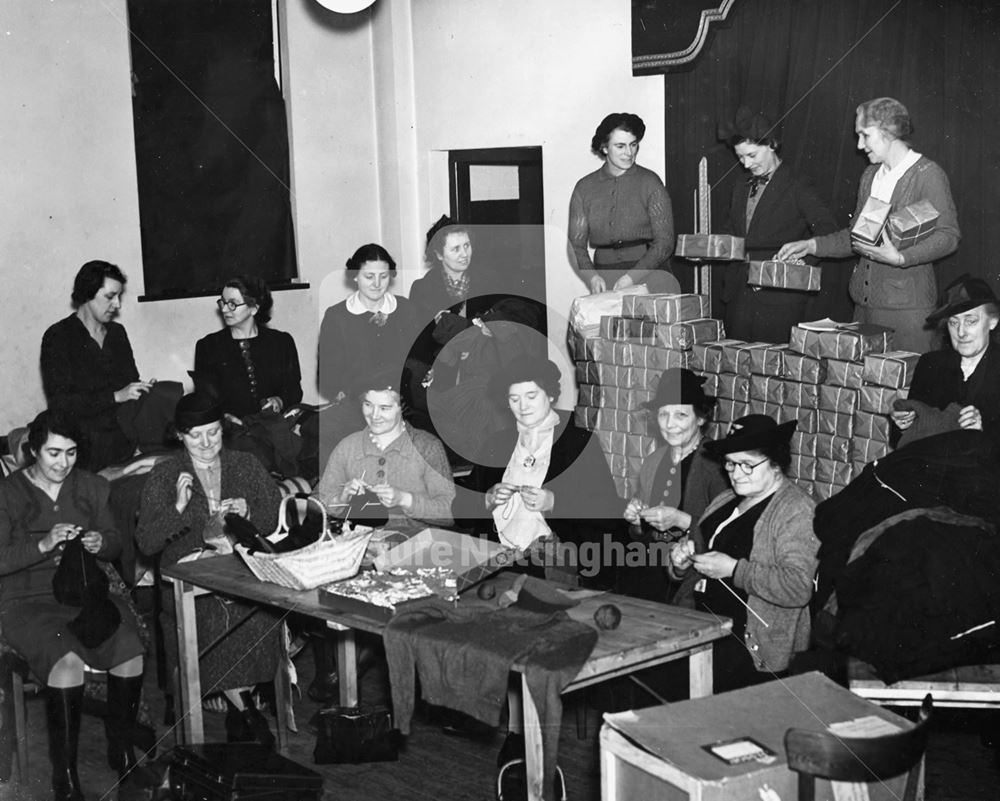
{"type": "Point", "coordinates": [239, 771]}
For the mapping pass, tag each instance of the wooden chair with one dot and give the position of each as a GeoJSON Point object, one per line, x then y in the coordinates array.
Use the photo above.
{"type": "Point", "coordinates": [821, 754]}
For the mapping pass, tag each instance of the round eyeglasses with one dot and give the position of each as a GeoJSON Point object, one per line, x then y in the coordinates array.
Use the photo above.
{"type": "Point", "coordinates": [745, 468]}
{"type": "Point", "coordinates": [224, 304]}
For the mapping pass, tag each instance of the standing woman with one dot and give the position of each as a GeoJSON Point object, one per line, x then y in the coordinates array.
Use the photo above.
{"type": "Point", "coordinates": [775, 205]}
{"type": "Point", "coordinates": [761, 557]}
{"type": "Point", "coordinates": [88, 370]}
{"type": "Point", "coordinates": [623, 212]}
{"type": "Point", "coordinates": [42, 507]}
{"type": "Point", "coordinates": [373, 329]}
{"type": "Point", "coordinates": [891, 287]}
{"type": "Point", "coordinates": [676, 482]}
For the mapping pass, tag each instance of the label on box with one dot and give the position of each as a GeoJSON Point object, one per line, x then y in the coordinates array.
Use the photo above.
{"type": "Point", "coordinates": [838, 399]}
{"type": "Point", "coordinates": [666, 308]}
{"type": "Point", "coordinates": [784, 275]}
{"type": "Point", "coordinates": [740, 750]}
{"type": "Point", "coordinates": [721, 247]}
{"type": "Point", "coordinates": [892, 369]}
{"type": "Point", "coordinates": [682, 336]}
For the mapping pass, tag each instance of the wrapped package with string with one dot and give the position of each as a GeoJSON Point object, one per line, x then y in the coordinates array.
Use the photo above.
{"type": "Point", "coordinates": [715, 247]}
{"type": "Point", "coordinates": [586, 311]}
{"type": "Point", "coordinates": [682, 336]}
{"type": "Point", "coordinates": [867, 450]}
{"type": "Point", "coordinates": [830, 471]}
{"type": "Point", "coordinates": [805, 419]}
{"type": "Point", "coordinates": [644, 378]}
{"type": "Point", "coordinates": [844, 374]}
{"type": "Point", "coordinates": [803, 443]}
{"type": "Point", "coordinates": [736, 356]}
{"type": "Point", "coordinates": [774, 274]}
{"type": "Point", "coordinates": [711, 382]}
{"type": "Point", "coordinates": [871, 222]}
{"type": "Point", "coordinates": [806, 369]}
{"type": "Point", "coordinates": [835, 423]}
{"type": "Point", "coordinates": [890, 369]}
{"type": "Point", "coordinates": [878, 400]}
{"type": "Point", "coordinates": [652, 357]}
{"type": "Point", "coordinates": [804, 396]}
{"type": "Point", "coordinates": [736, 387]}
{"type": "Point", "coordinates": [838, 399]}
{"type": "Point", "coordinates": [667, 307]}
{"type": "Point", "coordinates": [707, 357]}
{"type": "Point", "coordinates": [765, 388]}
{"type": "Point", "coordinates": [769, 360]}
{"type": "Point", "coordinates": [830, 446]}
{"type": "Point", "coordinates": [604, 396]}
{"type": "Point", "coordinates": [727, 410]}
{"type": "Point", "coordinates": [802, 467]}
{"type": "Point", "coordinates": [626, 329]}
{"type": "Point", "coordinates": [912, 224]}
{"type": "Point", "coordinates": [613, 375]}
{"type": "Point", "coordinates": [872, 426]}
{"type": "Point", "coordinates": [847, 344]}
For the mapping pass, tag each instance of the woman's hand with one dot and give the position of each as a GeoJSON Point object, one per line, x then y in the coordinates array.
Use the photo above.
{"type": "Point", "coordinates": [389, 496]}
{"type": "Point", "coordinates": [597, 285]}
{"type": "Point", "coordinates": [682, 554]}
{"type": "Point", "coordinates": [272, 404]}
{"type": "Point", "coordinates": [970, 417]}
{"type": "Point", "coordinates": [185, 489]}
{"type": "Point", "coordinates": [92, 541]}
{"type": "Point", "coordinates": [715, 564]}
{"type": "Point", "coordinates": [133, 391]}
{"type": "Point", "coordinates": [353, 487]}
{"type": "Point", "coordinates": [499, 494]}
{"type": "Point", "coordinates": [905, 419]}
{"type": "Point", "coordinates": [236, 506]}
{"type": "Point", "coordinates": [624, 282]}
{"type": "Point", "coordinates": [797, 250]}
{"type": "Point", "coordinates": [631, 513]}
{"type": "Point", "coordinates": [537, 499]}
{"type": "Point", "coordinates": [886, 253]}
{"type": "Point", "coordinates": [666, 517]}
{"type": "Point", "coordinates": [60, 533]}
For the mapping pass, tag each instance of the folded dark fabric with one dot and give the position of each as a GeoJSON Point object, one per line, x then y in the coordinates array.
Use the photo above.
{"type": "Point", "coordinates": [144, 421]}
{"type": "Point", "coordinates": [929, 420]}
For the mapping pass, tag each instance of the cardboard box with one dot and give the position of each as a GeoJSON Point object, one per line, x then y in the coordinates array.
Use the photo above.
{"type": "Point", "coordinates": [891, 369]}
{"type": "Point", "coordinates": [682, 336]}
{"type": "Point", "coordinates": [714, 247]}
{"type": "Point", "coordinates": [806, 369]}
{"type": "Point", "coordinates": [912, 224]}
{"type": "Point", "coordinates": [666, 307]}
{"type": "Point", "coordinates": [663, 752]}
{"type": "Point", "coordinates": [846, 344]}
{"type": "Point", "coordinates": [871, 221]}
{"type": "Point", "coordinates": [784, 275]}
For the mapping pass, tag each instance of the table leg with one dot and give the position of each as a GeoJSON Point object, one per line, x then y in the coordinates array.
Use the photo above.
{"type": "Point", "coordinates": [700, 672]}
{"type": "Point", "coordinates": [192, 727]}
{"type": "Point", "coordinates": [347, 668]}
{"type": "Point", "coordinates": [515, 718]}
{"type": "Point", "coordinates": [533, 756]}
{"type": "Point", "coordinates": [282, 691]}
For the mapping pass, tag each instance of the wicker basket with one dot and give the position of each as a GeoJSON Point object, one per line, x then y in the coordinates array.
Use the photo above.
{"type": "Point", "coordinates": [327, 560]}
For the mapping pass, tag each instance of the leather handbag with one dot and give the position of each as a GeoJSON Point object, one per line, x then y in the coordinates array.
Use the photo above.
{"type": "Point", "coordinates": [355, 734]}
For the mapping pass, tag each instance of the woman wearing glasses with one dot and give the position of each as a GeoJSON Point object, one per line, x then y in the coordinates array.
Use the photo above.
{"type": "Point", "coordinates": [761, 555]}
{"type": "Point", "coordinates": [253, 372]}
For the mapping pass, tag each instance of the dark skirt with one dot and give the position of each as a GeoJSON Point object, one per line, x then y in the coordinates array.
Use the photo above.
{"type": "Point", "coordinates": [38, 631]}
{"type": "Point", "coordinates": [248, 652]}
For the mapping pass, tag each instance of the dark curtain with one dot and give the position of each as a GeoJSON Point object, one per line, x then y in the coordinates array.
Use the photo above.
{"type": "Point", "coordinates": [812, 62]}
{"type": "Point", "coordinates": [211, 145]}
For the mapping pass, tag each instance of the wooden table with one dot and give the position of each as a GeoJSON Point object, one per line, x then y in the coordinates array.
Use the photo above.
{"type": "Point", "coordinates": [650, 634]}
{"type": "Point", "coordinates": [969, 686]}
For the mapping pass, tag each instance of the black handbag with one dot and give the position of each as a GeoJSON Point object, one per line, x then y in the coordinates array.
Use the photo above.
{"type": "Point", "coordinates": [353, 734]}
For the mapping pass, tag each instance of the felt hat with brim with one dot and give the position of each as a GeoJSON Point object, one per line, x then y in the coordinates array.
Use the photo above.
{"type": "Point", "coordinates": [377, 380]}
{"type": "Point", "coordinates": [961, 295]}
{"type": "Point", "coordinates": [751, 433]}
{"type": "Point", "coordinates": [678, 386]}
{"type": "Point", "coordinates": [196, 409]}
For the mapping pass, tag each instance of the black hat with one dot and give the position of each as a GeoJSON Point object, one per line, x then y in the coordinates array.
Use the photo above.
{"type": "Point", "coordinates": [383, 379]}
{"type": "Point", "coordinates": [751, 433]}
{"type": "Point", "coordinates": [197, 409]}
{"type": "Point", "coordinates": [526, 367]}
{"type": "Point", "coordinates": [962, 294]}
{"type": "Point", "coordinates": [679, 385]}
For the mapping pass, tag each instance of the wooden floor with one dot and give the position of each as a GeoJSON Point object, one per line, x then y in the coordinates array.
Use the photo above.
{"type": "Point", "coordinates": [434, 765]}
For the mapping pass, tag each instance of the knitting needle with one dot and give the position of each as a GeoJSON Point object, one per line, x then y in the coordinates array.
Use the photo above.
{"type": "Point", "coordinates": [987, 624]}
{"type": "Point", "coordinates": [737, 597]}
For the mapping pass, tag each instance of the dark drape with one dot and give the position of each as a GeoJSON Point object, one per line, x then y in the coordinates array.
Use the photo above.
{"type": "Point", "coordinates": [812, 62]}
{"type": "Point", "coordinates": [211, 145]}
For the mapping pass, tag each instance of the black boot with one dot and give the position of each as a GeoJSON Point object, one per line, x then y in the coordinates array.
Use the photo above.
{"type": "Point", "coordinates": [324, 686]}
{"type": "Point", "coordinates": [119, 723]}
{"type": "Point", "coordinates": [63, 712]}
{"type": "Point", "coordinates": [7, 734]}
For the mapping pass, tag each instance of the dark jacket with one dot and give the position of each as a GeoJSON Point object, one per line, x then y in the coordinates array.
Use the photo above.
{"type": "Point", "coordinates": [586, 503]}
{"type": "Point", "coordinates": [219, 363]}
{"type": "Point", "coordinates": [789, 209]}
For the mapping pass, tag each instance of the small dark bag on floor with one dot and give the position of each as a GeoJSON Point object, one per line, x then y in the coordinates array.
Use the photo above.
{"type": "Point", "coordinates": [354, 734]}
